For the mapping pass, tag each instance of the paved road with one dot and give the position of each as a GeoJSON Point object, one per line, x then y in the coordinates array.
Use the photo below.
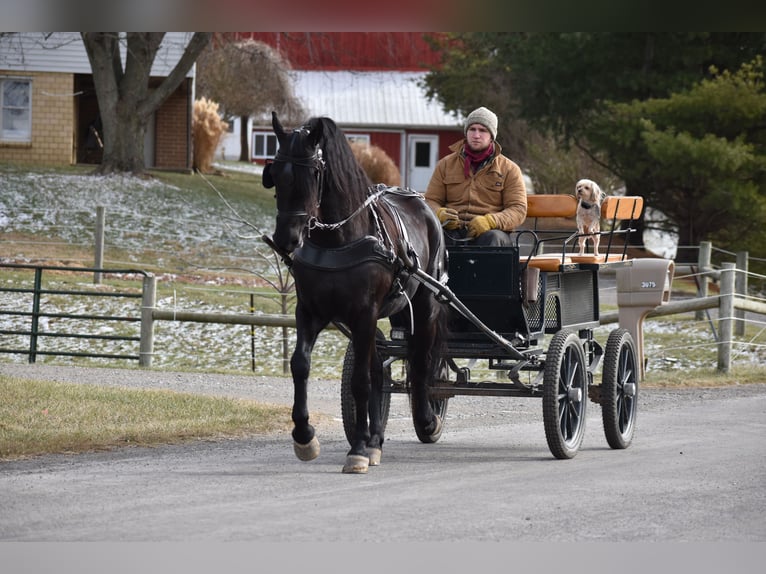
{"type": "Point", "coordinates": [694, 473]}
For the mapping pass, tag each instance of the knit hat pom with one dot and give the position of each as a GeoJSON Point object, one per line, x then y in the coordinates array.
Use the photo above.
{"type": "Point", "coordinates": [484, 117]}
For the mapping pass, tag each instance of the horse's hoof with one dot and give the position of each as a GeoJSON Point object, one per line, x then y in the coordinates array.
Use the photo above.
{"type": "Point", "coordinates": [308, 451]}
{"type": "Point", "coordinates": [374, 454]}
{"type": "Point", "coordinates": [438, 430]}
{"type": "Point", "coordinates": [356, 464]}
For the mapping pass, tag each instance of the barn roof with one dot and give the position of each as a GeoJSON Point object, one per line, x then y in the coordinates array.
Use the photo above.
{"type": "Point", "coordinates": [381, 99]}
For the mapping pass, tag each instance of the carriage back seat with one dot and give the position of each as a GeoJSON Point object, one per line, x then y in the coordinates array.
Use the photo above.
{"type": "Point", "coordinates": [613, 209]}
{"type": "Point", "coordinates": [549, 206]}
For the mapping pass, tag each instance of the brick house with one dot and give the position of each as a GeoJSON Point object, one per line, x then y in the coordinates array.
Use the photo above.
{"type": "Point", "coordinates": [49, 103]}
{"type": "Point", "coordinates": [367, 82]}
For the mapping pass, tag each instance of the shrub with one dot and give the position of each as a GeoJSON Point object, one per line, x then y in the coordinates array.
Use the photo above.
{"type": "Point", "coordinates": [207, 130]}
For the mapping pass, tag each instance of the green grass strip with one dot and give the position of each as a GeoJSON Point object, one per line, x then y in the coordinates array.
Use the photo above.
{"type": "Point", "coordinates": [41, 417]}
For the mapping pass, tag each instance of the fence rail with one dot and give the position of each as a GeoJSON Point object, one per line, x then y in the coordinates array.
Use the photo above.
{"type": "Point", "coordinates": [728, 303]}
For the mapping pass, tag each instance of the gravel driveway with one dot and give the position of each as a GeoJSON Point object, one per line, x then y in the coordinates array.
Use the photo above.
{"type": "Point", "coordinates": [695, 472]}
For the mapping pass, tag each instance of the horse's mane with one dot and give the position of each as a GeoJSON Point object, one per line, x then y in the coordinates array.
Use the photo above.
{"type": "Point", "coordinates": [342, 169]}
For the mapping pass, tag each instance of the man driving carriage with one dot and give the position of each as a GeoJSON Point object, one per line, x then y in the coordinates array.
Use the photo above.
{"type": "Point", "coordinates": [477, 193]}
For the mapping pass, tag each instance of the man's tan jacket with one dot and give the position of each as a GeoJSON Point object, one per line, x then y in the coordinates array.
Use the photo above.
{"type": "Point", "coordinates": [497, 188]}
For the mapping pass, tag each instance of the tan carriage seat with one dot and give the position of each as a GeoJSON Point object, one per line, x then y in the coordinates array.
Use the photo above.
{"type": "Point", "coordinates": [614, 208]}
{"type": "Point", "coordinates": [618, 208]}
{"type": "Point", "coordinates": [550, 206]}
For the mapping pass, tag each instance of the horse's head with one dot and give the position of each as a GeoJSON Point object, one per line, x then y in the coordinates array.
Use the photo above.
{"type": "Point", "coordinates": [296, 175]}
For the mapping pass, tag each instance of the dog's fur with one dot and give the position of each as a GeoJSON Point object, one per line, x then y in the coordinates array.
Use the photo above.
{"type": "Point", "coordinates": [589, 197]}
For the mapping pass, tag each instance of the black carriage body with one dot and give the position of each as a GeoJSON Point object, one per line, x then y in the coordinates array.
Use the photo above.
{"type": "Point", "coordinates": [491, 282]}
{"type": "Point", "coordinates": [487, 280]}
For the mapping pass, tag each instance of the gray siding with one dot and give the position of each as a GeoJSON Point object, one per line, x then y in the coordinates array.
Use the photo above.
{"type": "Point", "coordinates": [64, 52]}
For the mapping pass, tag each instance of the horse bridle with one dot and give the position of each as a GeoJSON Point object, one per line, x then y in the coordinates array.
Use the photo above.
{"type": "Point", "coordinates": [313, 161]}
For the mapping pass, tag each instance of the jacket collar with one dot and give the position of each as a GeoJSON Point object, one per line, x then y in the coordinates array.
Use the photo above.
{"type": "Point", "coordinates": [458, 147]}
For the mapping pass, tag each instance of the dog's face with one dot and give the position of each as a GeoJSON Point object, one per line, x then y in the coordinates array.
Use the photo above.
{"type": "Point", "coordinates": [589, 191]}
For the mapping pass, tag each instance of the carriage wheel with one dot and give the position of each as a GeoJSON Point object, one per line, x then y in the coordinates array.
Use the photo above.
{"type": "Point", "coordinates": [439, 407]}
{"type": "Point", "coordinates": [347, 404]}
{"type": "Point", "coordinates": [564, 394]}
{"type": "Point", "coordinates": [619, 389]}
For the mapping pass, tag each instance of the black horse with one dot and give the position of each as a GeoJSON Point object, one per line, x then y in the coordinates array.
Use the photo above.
{"type": "Point", "coordinates": [352, 247]}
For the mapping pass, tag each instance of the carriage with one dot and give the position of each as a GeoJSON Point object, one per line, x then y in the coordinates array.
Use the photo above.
{"type": "Point", "coordinates": [506, 304]}
{"type": "Point", "coordinates": [361, 253]}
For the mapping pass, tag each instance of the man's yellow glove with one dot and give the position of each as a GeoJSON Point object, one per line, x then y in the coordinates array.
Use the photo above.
{"type": "Point", "coordinates": [448, 217]}
{"type": "Point", "coordinates": [481, 224]}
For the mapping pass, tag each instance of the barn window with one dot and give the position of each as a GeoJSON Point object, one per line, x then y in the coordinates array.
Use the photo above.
{"type": "Point", "coordinates": [16, 106]}
{"type": "Point", "coordinates": [423, 154]}
{"type": "Point", "coordinates": [362, 138]}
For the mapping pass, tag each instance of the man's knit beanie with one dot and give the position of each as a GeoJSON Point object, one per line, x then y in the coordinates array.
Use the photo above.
{"type": "Point", "coordinates": [484, 117]}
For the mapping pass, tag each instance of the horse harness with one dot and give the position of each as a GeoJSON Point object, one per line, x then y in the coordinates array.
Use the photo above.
{"type": "Point", "coordinates": [379, 248]}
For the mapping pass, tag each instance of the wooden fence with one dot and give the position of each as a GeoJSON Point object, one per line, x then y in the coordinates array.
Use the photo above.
{"type": "Point", "coordinates": [728, 302]}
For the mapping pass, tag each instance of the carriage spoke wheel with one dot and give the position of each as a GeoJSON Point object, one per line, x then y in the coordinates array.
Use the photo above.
{"type": "Point", "coordinates": [564, 394]}
{"type": "Point", "coordinates": [347, 404]}
{"type": "Point", "coordinates": [619, 389]}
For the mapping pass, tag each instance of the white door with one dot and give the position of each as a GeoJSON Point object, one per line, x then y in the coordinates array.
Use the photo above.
{"type": "Point", "coordinates": [422, 151]}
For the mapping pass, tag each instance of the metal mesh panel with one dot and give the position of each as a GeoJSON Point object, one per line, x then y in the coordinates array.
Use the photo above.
{"type": "Point", "coordinates": [577, 300]}
{"type": "Point", "coordinates": [534, 311]}
{"type": "Point", "coordinates": [552, 314]}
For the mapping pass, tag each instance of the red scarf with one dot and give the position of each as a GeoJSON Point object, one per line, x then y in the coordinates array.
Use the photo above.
{"type": "Point", "coordinates": [475, 159]}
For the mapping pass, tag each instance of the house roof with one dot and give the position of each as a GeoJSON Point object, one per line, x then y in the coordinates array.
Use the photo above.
{"type": "Point", "coordinates": [65, 52]}
{"type": "Point", "coordinates": [381, 99]}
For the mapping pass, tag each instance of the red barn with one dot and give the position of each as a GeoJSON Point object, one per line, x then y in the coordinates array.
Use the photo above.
{"type": "Point", "coordinates": [368, 83]}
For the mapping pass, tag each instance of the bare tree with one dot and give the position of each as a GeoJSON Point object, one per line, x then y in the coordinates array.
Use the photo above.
{"type": "Point", "coordinates": [247, 78]}
{"type": "Point", "coordinates": [126, 100]}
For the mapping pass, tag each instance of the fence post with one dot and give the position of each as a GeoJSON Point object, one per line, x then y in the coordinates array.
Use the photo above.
{"type": "Point", "coordinates": [35, 328]}
{"type": "Point", "coordinates": [740, 288]}
{"type": "Point", "coordinates": [725, 316]}
{"type": "Point", "coordinates": [703, 267]}
{"type": "Point", "coordinates": [148, 303]}
{"type": "Point", "coordinates": [99, 237]}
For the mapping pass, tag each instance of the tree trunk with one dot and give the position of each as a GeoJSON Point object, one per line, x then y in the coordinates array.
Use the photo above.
{"type": "Point", "coordinates": [244, 139]}
{"type": "Point", "coordinates": [126, 150]}
{"type": "Point", "coordinates": [125, 100]}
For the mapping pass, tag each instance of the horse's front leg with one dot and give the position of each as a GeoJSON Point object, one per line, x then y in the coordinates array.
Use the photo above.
{"type": "Point", "coordinates": [358, 458]}
{"type": "Point", "coordinates": [305, 443]}
{"type": "Point", "coordinates": [375, 442]}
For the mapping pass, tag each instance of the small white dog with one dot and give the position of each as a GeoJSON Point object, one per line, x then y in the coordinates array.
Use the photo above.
{"type": "Point", "coordinates": [589, 197]}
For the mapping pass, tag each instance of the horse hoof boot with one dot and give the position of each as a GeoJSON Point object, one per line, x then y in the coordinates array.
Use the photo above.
{"type": "Point", "coordinates": [438, 429]}
{"type": "Point", "coordinates": [356, 464]}
{"type": "Point", "coordinates": [437, 432]}
{"type": "Point", "coordinates": [308, 451]}
{"type": "Point", "coordinates": [374, 454]}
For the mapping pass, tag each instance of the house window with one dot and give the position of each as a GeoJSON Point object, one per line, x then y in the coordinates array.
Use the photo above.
{"type": "Point", "coordinates": [16, 106]}
{"type": "Point", "coordinates": [264, 145]}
